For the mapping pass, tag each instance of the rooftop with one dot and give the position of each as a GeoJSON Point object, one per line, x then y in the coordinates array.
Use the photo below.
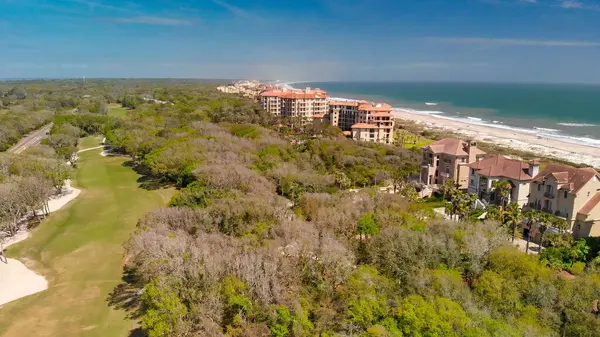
{"type": "Point", "coordinates": [364, 126]}
{"type": "Point", "coordinates": [590, 205]}
{"type": "Point", "coordinates": [568, 177]}
{"type": "Point", "coordinates": [452, 146]}
{"type": "Point", "coordinates": [500, 166]}
{"type": "Point", "coordinates": [381, 107]}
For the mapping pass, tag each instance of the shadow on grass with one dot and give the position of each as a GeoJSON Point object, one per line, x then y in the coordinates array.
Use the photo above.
{"type": "Point", "coordinates": [147, 181]}
{"type": "Point", "coordinates": [126, 296]}
{"type": "Point", "coordinates": [151, 183]}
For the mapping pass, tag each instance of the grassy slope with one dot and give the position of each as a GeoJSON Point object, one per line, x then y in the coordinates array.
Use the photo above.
{"type": "Point", "coordinates": [79, 250]}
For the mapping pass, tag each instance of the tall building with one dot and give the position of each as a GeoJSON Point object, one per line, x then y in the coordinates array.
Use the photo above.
{"type": "Point", "coordinates": [449, 159]}
{"type": "Point", "coordinates": [371, 122]}
{"type": "Point", "coordinates": [301, 104]}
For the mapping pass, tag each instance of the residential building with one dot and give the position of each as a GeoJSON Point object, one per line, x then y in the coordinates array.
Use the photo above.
{"type": "Point", "coordinates": [344, 114]}
{"type": "Point", "coordinates": [570, 193]}
{"type": "Point", "coordinates": [449, 159]}
{"type": "Point", "coordinates": [301, 104]}
{"type": "Point", "coordinates": [488, 170]}
{"type": "Point", "coordinates": [373, 123]}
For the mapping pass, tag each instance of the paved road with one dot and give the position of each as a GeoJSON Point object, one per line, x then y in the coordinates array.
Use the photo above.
{"type": "Point", "coordinates": [31, 139]}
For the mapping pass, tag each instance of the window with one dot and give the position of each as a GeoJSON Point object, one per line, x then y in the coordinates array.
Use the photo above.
{"type": "Point", "coordinates": [539, 187]}
{"type": "Point", "coordinates": [448, 169]}
{"type": "Point", "coordinates": [566, 194]}
{"type": "Point", "coordinates": [589, 194]}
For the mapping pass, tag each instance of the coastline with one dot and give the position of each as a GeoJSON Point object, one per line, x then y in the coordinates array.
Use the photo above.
{"type": "Point", "coordinates": [511, 138]}
{"type": "Point", "coordinates": [544, 142]}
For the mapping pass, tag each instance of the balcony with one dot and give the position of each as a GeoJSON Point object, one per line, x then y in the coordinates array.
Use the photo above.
{"type": "Point", "coordinates": [549, 195]}
{"type": "Point", "coordinates": [547, 210]}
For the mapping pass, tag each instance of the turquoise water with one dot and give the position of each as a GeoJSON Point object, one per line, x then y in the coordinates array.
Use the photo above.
{"type": "Point", "coordinates": [563, 111]}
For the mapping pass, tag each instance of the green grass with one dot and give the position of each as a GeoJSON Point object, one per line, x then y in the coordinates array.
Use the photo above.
{"type": "Point", "coordinates": [92, 141]}
{"type": "Point", "coordinates": [79, 251]}
{"type": "Point", "coordinates": [419, 144]}
{"type": "Point", "coordinates": [411, 141]}
{"type": "Point", "coordinates": [117, 111]}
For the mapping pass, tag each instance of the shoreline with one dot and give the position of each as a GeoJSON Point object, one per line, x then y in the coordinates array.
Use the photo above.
{"type": "Point", "coordinates": [542, 143]}
{"type": "Point", "coordinates": [514, 139]}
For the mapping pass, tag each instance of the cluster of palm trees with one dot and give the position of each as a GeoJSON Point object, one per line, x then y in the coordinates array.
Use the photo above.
{"type": "Point", "coordinates": [461, 203]}
{"type": "Point", "coordinates": [510, 215]}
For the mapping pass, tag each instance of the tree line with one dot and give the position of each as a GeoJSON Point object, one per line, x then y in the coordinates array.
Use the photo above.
{"type": "Point", "coordinates": [267, 236]}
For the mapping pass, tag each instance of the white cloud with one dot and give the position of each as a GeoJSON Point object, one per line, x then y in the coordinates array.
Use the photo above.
{"type": "Point", "coordinates": [237, 11]}
{"type": "Point", "coordinates": [571, 4]}
{"type": "Point", "coordinates": [574, 4]}
{"type": "Point", "coordinates": [514, 42]}
{"type": "Point", "coordinates": [153, 20]}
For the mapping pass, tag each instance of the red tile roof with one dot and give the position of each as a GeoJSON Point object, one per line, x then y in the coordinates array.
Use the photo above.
{"type": "Point", "coordinates": [500, 166]}
{"type": "Point", "coordinates": [451, 146]}
{"type": "Point", "coordinates": [319, 116]}
{"type": "Point", "coordinates": [590, 205]}
{"type": "Point", "coordinates": [381, 114]}
{"type": "Point", "coordinates": [343, 103]}
{"type": "Point", "coordinates": [296, 94]}
{"type": "Point", "coordinates": [364, 126]}
{"type": "Point", "coordinates": [571, 178]}
{"type": "Point", "coordinates": [375, 107]}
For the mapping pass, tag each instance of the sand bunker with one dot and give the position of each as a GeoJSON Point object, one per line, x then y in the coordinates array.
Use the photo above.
{"type": "Point", "coordinates": [16, 280]}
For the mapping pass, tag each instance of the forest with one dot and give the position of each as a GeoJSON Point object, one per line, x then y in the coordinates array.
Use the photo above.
{"type": "Point", "coordinates": [285, 232]}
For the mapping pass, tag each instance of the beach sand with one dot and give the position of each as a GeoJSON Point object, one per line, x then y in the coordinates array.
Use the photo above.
{"type": "Point", "coordinates": [16, 280]}
{"type": "Point", "coordinates": [546, 147]}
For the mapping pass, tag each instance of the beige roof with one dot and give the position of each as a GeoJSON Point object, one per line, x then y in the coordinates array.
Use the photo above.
{"type": "Point", "coordinates": [319, 116]}
{"type": "Point", "coordinates": [500, 166]}
{"type": "Point", "coordinates": [451, 146]}
{"type": "Point", "coordinates": [568, 177]}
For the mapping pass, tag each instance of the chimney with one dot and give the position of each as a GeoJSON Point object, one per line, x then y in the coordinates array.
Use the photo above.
{"type": "Point", "coordinates": [471, 147]}
{"type": "Point", "coordinates": [534, 167]}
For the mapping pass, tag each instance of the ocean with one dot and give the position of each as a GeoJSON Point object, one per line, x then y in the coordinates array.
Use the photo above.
{"type": "Point", "coordinates": [568, 112]}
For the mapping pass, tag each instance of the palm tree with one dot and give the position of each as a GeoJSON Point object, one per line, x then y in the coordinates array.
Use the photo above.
{"type": "Point", "coordinates": [502, 188]}
{"type": "Point", "coordinates": [545, 221]}
{"type": "Point", "coordinates": [561, 224]}
{"type": "Point", "coordinates": [532, 217]}
{"type": "Point", "coordinates": [512, 216]}
{"type": "Point", "coordinates": [493, 213]}
{"type": "Point", "coordinates": [448, 188]}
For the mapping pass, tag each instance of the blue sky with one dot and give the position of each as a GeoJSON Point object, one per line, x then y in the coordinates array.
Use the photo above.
{"type": "Point", "coordinates": [404, 40]}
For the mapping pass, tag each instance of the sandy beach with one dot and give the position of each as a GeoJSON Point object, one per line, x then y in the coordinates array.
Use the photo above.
{"type": "Point", "coordinates": [514, 139]}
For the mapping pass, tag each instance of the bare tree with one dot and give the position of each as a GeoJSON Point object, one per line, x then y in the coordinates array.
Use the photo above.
{"type": "Point", "coordinates": [12, 207]}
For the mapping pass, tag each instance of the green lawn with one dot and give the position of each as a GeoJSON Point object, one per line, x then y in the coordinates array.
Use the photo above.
{"type": "Point", "coordinates": [79, 250]}
{"type": "Point", "coordinates": [117, 111]}
{"type": "Point", "coordinates": [89, 142]}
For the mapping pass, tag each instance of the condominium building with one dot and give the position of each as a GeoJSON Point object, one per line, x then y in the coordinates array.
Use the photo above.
{"type": "Point", "coordinates": [486, 171]}
{"type": "Point", "coordinates": [371, 122]}
{"type": "Point", "coordinates": [570, 193]}
{"type": "Point", "coordinates": [449, 159]}
{"type": "Point", "coordinates": [301, 104]}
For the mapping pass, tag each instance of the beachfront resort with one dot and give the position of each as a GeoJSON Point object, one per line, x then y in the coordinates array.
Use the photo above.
{"type": "Point", "coordinates": [564, 192]}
